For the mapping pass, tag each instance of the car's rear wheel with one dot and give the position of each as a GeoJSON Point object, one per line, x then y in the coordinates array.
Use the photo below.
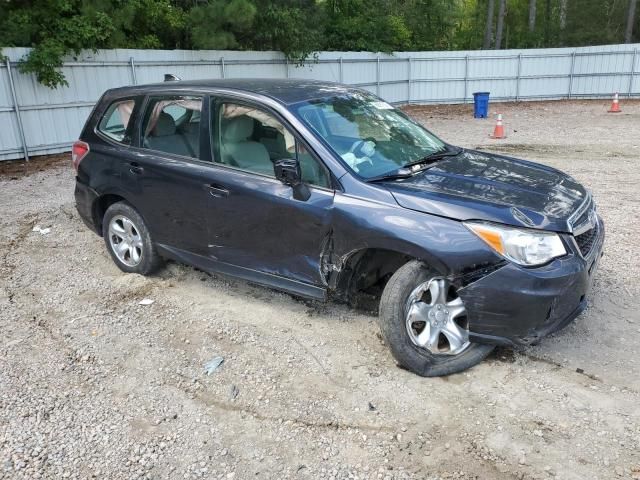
{"type": "Point", "coordinates": [424, 322]}
{"type": "Point", "coordinates": [128, 240]}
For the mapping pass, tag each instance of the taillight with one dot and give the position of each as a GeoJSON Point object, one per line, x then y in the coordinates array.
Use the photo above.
{"type": "Point", "coordinates": [78, 152]}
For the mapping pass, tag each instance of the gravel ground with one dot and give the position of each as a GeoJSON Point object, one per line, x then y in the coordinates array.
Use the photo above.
{"type": "Point", "coordinates": [94, 385]}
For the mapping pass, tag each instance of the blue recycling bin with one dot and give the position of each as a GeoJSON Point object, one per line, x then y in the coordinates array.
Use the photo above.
{"type": "Point", "coordinates": [480, 104]}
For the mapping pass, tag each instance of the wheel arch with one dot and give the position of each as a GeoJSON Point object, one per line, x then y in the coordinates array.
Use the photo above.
{"type": "Point", "coordinates": [101, 204]}
{"type": "Point", "coordinates": [365, 271]}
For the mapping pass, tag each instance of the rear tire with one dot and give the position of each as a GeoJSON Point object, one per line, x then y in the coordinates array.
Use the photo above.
{"type": "Point", "coordinates": [128, 240]}
{"type": "Point", "coordinates": [417, 352]}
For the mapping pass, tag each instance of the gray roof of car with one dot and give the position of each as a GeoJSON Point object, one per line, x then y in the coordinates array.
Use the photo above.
{"type": "Point", "coordinates": [286, 91]}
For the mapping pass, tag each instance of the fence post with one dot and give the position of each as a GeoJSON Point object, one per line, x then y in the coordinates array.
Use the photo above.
{"type": "Point", "coordinates": [466, 78]}
{"type": "Point", "coordinates": [632, 72]}
{"type": "Point", "coordinates": [409, 82]}
{"type": "Point", "coordinates": [518, 77]}
{"type": "Point", "coordinates": [222, 67]}
{"type": "Point", "coordinates": [286, 66]}
{"type": "Point", "coordinates": [573, 62]}
{"type": "Point", "coordinates": [341, 72]}
{"type": "Point", "coordinates": [378, 75]}
{"type": "Point", "coordinates": [133, 71]}
{"type": "Point", "coordinates": [25, 149]}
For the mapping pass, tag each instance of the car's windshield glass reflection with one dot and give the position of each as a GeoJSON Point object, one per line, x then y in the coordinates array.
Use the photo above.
{"type": "Point", "coordinates": [372, 137]}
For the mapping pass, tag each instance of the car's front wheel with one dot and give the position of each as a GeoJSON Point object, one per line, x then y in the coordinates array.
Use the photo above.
{"type": "Point", "coordinates": [424, 322]}
{"type": "Point", "coordinates": [128, 240]}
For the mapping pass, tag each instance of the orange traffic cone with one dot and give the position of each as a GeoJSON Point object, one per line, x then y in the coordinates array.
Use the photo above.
{"type": "Point", "coordinates": [498, 132]}
{"type": "Point", "coordinates": [615, 106]}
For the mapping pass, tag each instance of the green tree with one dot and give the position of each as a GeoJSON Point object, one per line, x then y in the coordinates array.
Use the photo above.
{"type": "Point", "coordinates": [219, 24]}
{"type": "Point", "coordinates": [432, 23]}
{"type": "Point", "coordinates": [366, 25]}
{"type": "Point", "coordinates": [286, 26]}
{"type": "Point", "coordinates": [55, 29]}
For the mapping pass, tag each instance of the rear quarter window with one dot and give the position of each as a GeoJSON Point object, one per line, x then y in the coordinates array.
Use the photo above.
{"type": "Point", "coordinates": [116, 119]}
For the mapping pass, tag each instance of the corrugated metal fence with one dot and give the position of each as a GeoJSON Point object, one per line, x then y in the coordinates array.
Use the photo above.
{"type": "Point", "coordinates": [35, 120]}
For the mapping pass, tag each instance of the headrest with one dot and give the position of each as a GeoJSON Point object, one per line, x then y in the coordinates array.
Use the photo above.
{"type": "Point", "coordinates": [164, 126]}
{"type": "Point", "coordinates": [238, 129]}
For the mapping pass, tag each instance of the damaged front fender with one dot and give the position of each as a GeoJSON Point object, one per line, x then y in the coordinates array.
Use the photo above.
{"type": "Point", "coordinates": [374, 240]}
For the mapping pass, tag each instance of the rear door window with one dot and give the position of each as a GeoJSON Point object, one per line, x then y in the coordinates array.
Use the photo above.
{"type": "Point", "coordinates": [172, 125]}
{"type": "Point", "coordinates": [116, 119]}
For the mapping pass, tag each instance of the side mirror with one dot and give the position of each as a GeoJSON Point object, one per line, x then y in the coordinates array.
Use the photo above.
{"type": "Point", "coordinates": [288, 171]}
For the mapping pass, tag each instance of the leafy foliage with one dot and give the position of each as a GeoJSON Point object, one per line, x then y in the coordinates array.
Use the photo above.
{"type": "Point", "coordinates": [382, 28]}
{"type": "Point", "coordinates": [57, 28]}
{"type": "Point", "coordinates": [288, 27]}
{"type": "Point", "coordinates": [217, 25]}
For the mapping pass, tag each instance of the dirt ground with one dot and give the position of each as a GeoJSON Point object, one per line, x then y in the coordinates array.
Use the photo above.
{"type": "Point", "coordinates": [94, 385]}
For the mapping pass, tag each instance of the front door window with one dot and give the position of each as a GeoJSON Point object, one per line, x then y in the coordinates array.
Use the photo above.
{"type": "Point", "coordinates": [252, 140]}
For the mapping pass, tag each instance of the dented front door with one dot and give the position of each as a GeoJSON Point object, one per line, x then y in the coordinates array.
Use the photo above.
{"type": "Point", "coordinates": [254, 222]}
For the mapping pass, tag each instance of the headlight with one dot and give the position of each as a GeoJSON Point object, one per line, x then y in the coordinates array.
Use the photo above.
{"type": "Point", "coordinates": [521, 246]}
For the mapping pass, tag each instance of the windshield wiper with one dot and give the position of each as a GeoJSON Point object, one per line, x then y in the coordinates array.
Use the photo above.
{"type": "Point", "coordinates": [394, 175]}
{"type": "Point", "coordinates": [410, 169]}
{"type": "Point", "coordinates": [437, 155]}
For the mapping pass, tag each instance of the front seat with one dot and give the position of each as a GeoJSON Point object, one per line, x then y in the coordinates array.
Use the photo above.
{"type": "Point", "coordinates": [238, 150]}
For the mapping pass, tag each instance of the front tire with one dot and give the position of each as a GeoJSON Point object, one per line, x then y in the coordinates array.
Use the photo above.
{"type": "Point", "coordinates": [128, 240]}
{"type": "Point", "coordinates": [424, 323]}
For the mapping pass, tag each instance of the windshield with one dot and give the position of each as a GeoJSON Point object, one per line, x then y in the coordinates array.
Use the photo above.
{"type": "Point", "coordinates": [371, 136]}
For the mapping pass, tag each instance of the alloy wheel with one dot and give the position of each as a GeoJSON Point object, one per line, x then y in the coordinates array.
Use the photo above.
{"type": "Point", "coordinates": [125, 240]}
{"type": "Point", "coordinates": [436, 318]}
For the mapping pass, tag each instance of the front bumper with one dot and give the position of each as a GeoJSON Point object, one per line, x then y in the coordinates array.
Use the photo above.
{"type": "Point", "coordinates": [515, 305]}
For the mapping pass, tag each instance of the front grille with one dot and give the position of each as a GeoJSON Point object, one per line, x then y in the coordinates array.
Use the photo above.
{"type": "Point", "coordinates": [586, 240]}
{"type": "Point", "coordinates": [581, 216]}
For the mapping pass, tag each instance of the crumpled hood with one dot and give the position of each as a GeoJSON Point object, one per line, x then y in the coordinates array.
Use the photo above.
{"type": "Point", "coordinates": [482, 186]}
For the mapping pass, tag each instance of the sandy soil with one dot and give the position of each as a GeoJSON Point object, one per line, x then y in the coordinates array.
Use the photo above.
{"type": "Point", "coordinates": [92, 384]}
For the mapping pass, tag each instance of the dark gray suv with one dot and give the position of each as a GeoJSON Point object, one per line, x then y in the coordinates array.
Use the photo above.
{"type": "Point", "coordinates": [322, 190]}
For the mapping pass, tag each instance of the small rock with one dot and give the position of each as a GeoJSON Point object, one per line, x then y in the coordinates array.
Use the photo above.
{"type": "Point", "coordinates": [233, 392]}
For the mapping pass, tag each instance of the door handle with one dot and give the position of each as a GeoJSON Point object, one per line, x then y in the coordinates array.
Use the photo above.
{"type": "Point", "coordinates": [135, 168]}
{"type": "Point", "coordinates": [217, 191]}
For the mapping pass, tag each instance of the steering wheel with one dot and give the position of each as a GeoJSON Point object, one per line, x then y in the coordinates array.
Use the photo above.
{"type": "Point", "coordinates": [361, 148]}
{"type": "Point", "coordinates": [360, 154]}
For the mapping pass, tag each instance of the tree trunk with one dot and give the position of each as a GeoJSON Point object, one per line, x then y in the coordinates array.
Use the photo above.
{"type": "Point", "coordinates": [563, 14]}
{"type": "Point", "coordinates": [500, 27]}
{"type": "Point", "coordinates": [547, 24]}
{"type": "Point", "coordinates": [631, 15]}
{"type": "Point", "coordinates": [478, 15]}
{"type": "Point", "coordinates": [488, 30]}
{"type": "Point", "coordinates": [532, 15]}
